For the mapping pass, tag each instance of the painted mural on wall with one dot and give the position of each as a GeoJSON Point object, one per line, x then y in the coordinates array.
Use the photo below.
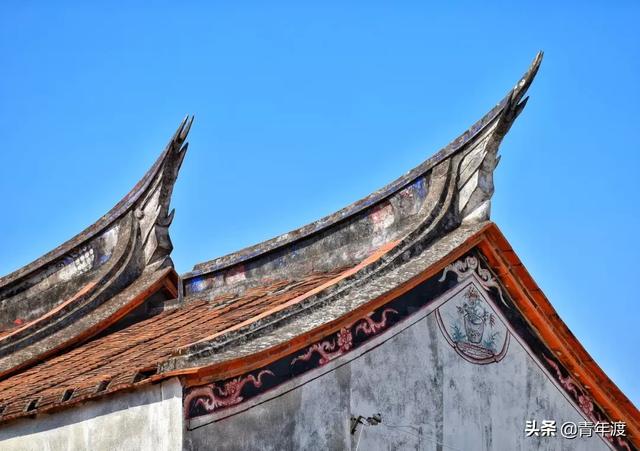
{"type": "Point", "coordinates": [468, 321]}
{"type": "Point", "coordinates": [212, 398]}
{"type": "Point", "coordinates": [472, 327]}
{"type": "Point", "coordinates": [473, 320]}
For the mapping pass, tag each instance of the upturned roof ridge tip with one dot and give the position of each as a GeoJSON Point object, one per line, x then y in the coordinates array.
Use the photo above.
{"type": "Point", "coordinates": [506, 112]}
{"type": "Point", "coordinates": [175, 147]}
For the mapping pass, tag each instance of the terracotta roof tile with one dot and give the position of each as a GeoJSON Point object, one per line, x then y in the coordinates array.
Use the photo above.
{"type": "Point", "coordinates": [131, 355]}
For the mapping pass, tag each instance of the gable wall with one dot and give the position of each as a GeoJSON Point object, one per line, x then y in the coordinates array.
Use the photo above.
{"type": "Point", "coordinates": [430, 395]}
{"type": "Point", "coordinates": [146, 419]}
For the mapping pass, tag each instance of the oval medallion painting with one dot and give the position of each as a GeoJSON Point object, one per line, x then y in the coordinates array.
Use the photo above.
{"type": "Point", "coordinates": [472, 327]}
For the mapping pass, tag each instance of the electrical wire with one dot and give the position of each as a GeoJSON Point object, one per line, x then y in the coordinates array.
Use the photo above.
{"type": "Point", "coordinates": [360, 436]}
{"type": "Point", "coordinates": [419, 435]}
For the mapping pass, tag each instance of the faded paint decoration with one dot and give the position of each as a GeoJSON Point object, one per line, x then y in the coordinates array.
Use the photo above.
{"type": "Point", "coordinates": [472, 327]}
{"type": "Point", "coordinates": [385, 221]}
{"type": "Point", "coordinates": [343, 341]}
{"type": "Point", "coordinates": [586, 404]}
{"type": "Point", "coordinates": [212, 398]}
{"type": "Point", "coordinates": [464, 268]}
{"type": "Point", "coordinates": [72, 265]}
{"type": "Point", "coordinates": [473, 319]}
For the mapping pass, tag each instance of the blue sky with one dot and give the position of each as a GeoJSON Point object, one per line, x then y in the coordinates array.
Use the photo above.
{"type": "Point", "coordinates": [301, 110]}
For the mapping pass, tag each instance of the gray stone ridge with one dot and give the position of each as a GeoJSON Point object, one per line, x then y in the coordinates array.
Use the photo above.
{"type": "Point", "coordinates": [91, 285]}
{"type": "Point", "coordinates": [451, 197]}
{"type": "Point", "coordinates": [457, 373]}
{"type": "Point", "coordinates": [458, 179]}
{"type": "Point", "coordinates": [427, 381]}
{"type": "Point", "coordinates": [42, 303]}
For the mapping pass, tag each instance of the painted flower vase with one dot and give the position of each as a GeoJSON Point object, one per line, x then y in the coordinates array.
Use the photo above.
{"type": "Point", "coordinates": [474, 327]}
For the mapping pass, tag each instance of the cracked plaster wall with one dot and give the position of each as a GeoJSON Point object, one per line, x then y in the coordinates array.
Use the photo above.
{"type": "Point", "coordinates": [149, 418]}
{"type": "Point", "coordinates": [428, 395]}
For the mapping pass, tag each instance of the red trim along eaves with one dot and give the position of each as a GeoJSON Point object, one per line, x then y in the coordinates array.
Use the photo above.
{"type": "Point", "coordinates": [382, 250]}
{"type": "Point", "coordinates": [165, 278]}
{"type": "Point", "coordinates": [541, 315]}
{"type": "Point", "coordinates": [524, 292]}
{"type": "Point", "coordinates": [231, 368]}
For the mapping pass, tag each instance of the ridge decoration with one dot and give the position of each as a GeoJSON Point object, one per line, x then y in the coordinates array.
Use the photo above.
{"type": "Point", "coordinates": [465, 267]}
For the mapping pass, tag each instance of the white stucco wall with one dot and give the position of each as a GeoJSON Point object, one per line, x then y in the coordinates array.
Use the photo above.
{"type": "Point", "coordinates": [428, 395]}
{"type": "Point", "coordinates": [146, 419]}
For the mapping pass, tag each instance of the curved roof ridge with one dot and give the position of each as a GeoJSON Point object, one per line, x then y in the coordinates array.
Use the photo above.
{"type": "Point", "coordinates": [506, 110]}
{"type": "Point", "coordinates": [172, 150]}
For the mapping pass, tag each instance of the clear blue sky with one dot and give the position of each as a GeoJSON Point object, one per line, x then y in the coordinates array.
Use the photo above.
{"type": "Point", "coordinates": [301, 110]}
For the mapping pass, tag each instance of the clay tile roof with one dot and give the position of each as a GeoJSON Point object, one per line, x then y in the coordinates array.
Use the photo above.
{"type": "Point", "coordinates": [232, 300]}
{"type": "Point", "coordinates": [55, 299]}
{"type": "Point", "coordinates": [130, 356]}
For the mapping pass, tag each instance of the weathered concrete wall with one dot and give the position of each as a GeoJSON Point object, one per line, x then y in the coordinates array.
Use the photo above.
{"type": "Point", "coordinates": [429, 396]}
{"type": "Point", "coordinates": [146, 419]}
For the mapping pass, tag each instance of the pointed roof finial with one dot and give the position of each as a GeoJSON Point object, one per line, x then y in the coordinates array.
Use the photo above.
{"type": "Point", "coordinates": [515, 102]}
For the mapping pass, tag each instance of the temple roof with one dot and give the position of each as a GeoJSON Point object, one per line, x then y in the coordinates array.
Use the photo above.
{"type": "Point", "coordinates": [462, 170]}
{"type": "Point", "coordinates": [95, 278]}
{"type": "Point", "coordinates": [95, 284]}
{"type": "Point", "coordinates": [130, 356]}
{"type": "Point", "coordinates": [84, 334]}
